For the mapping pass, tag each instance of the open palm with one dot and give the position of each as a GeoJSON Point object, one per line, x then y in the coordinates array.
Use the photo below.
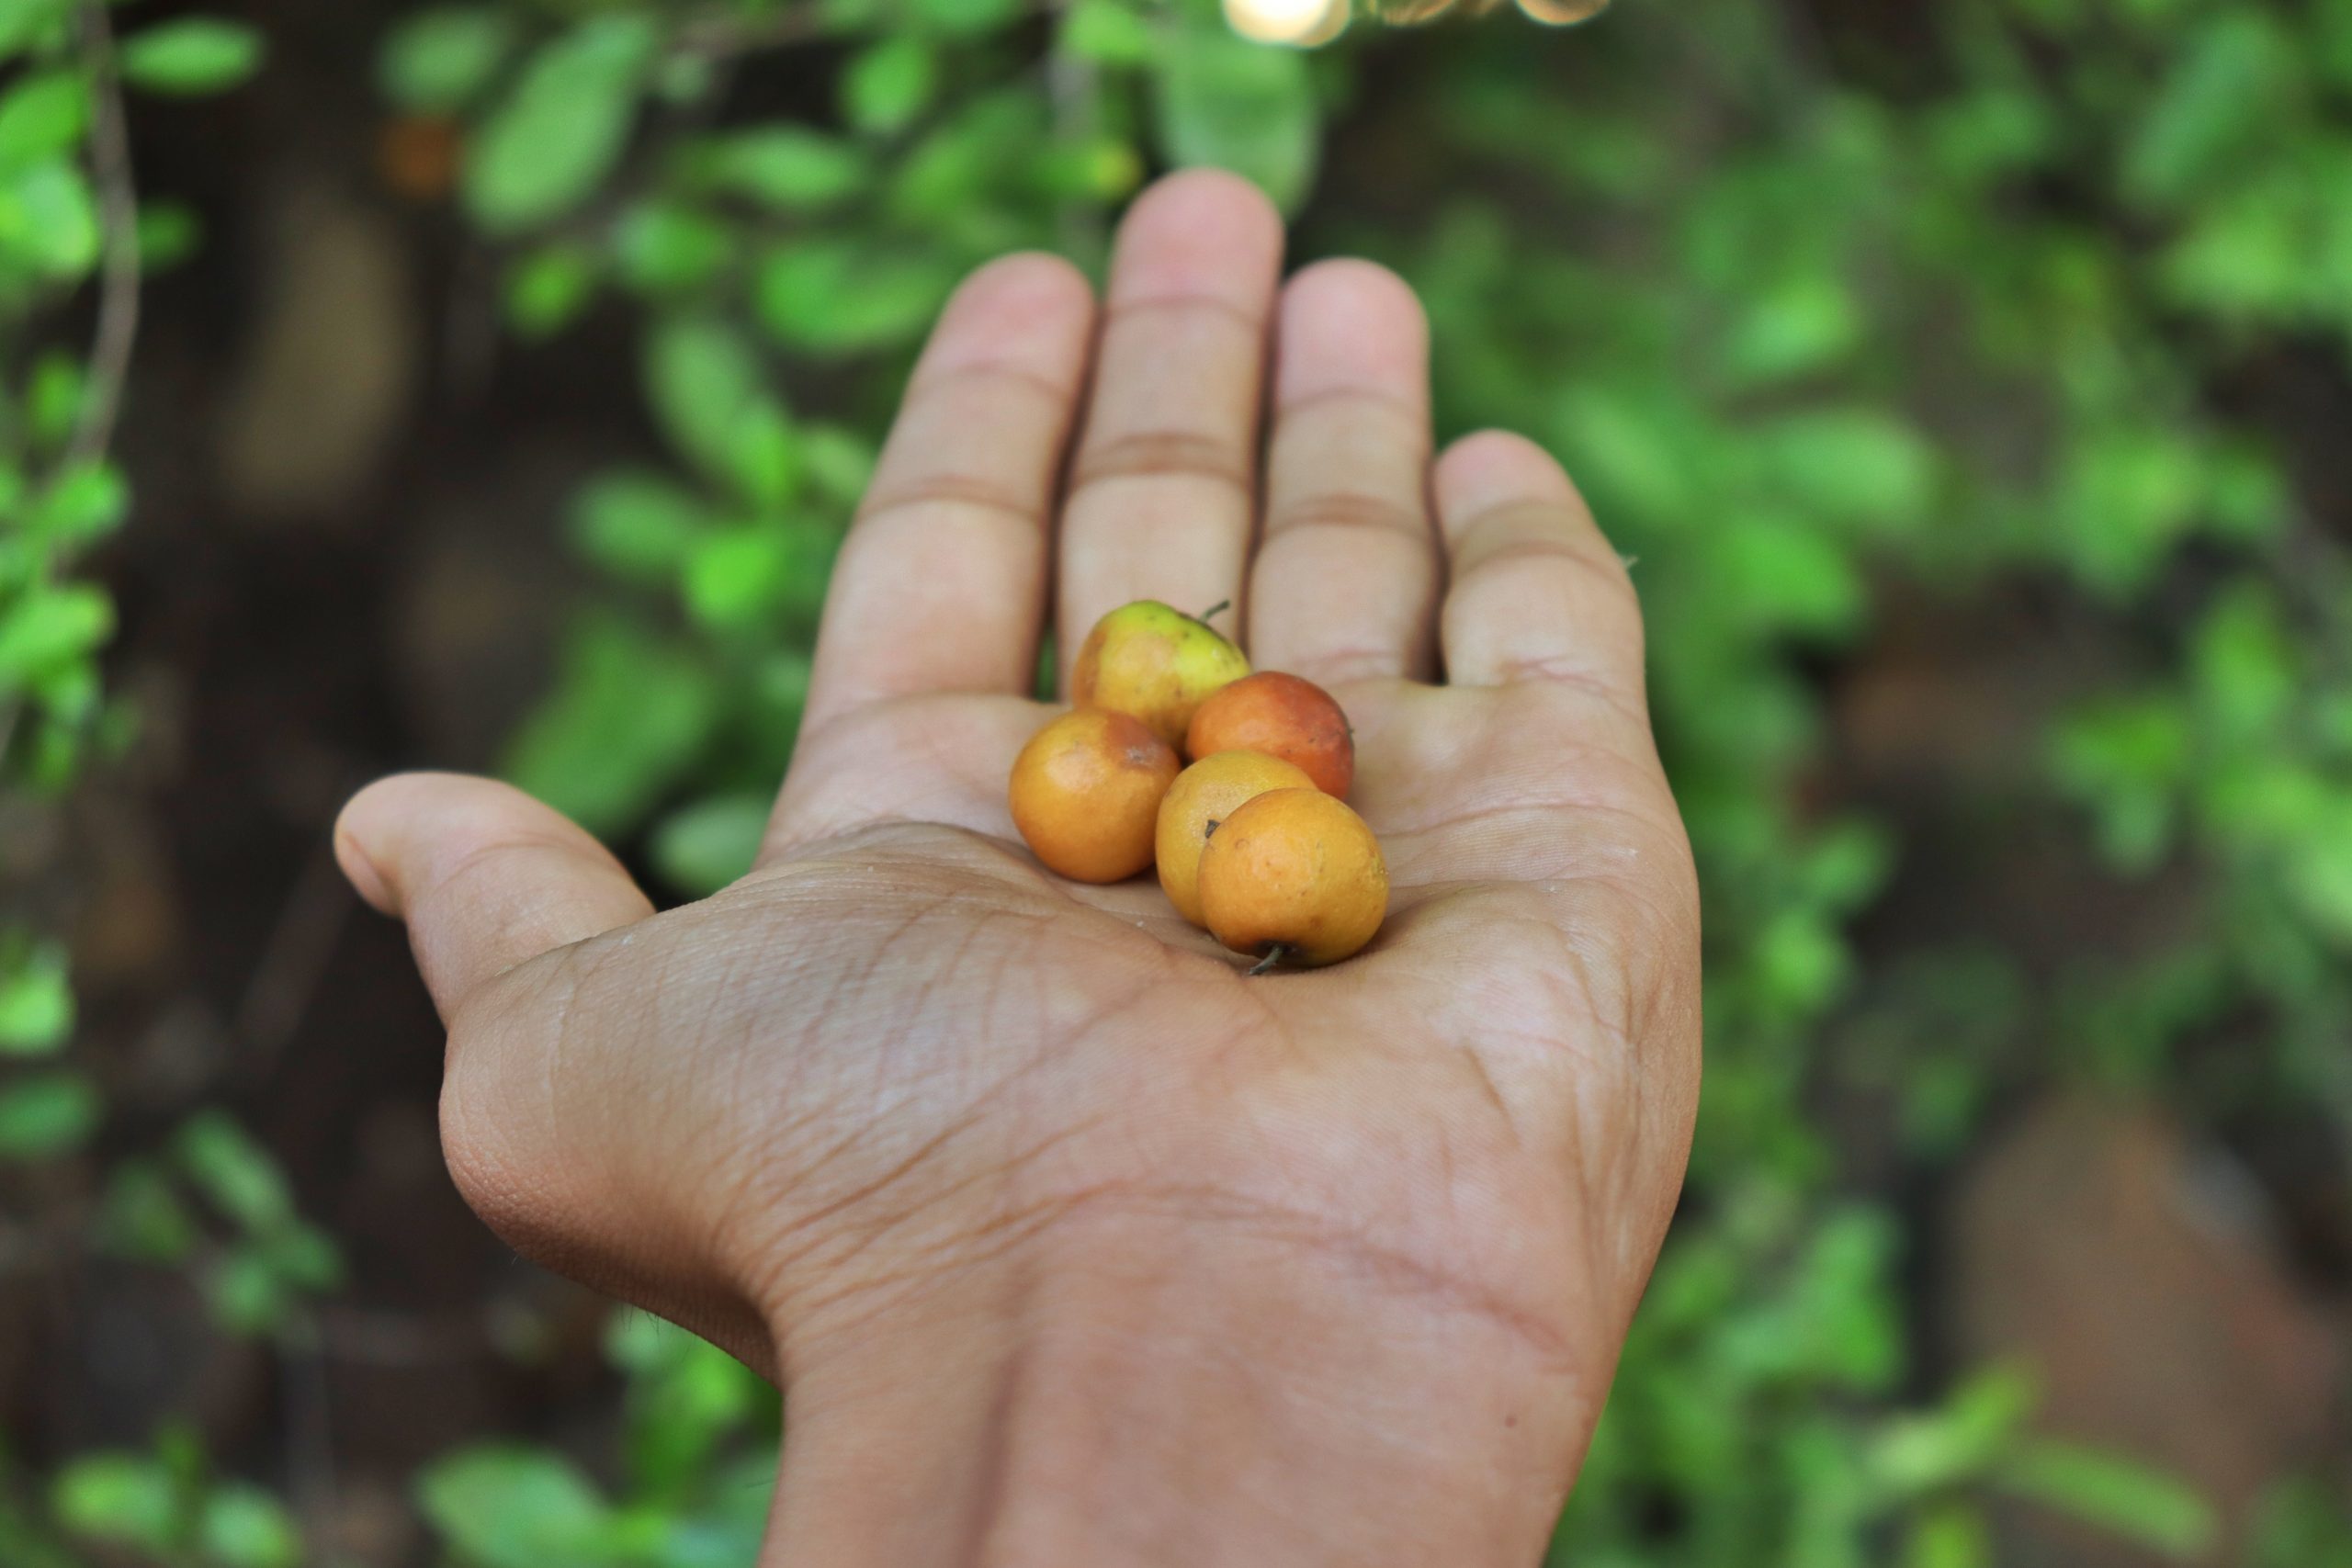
{"type": "Point", "coordinates": [1069, 1243]}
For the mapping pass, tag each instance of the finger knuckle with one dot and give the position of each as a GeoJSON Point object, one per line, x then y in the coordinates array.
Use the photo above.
{"type": "Point", "coordinates": [1164, 454]}
{"type": "Point", "coordinates": [1352, 513]}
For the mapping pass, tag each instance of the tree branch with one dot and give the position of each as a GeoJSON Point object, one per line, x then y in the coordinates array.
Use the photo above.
{"type": "Point", "coordinates": [118, 331]}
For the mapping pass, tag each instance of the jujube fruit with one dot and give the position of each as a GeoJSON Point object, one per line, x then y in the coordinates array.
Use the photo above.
{"type": "Point", "coordinates": [1294, 875]}
{"type": "Point", "coordinates": [1197, 804]}
{"type": "Point", "coordinates": [1156, 663]}
{"type": "Point", "coordinates": [1086, 793]}
{"type": "Point", "coordinates": [1284, 716]}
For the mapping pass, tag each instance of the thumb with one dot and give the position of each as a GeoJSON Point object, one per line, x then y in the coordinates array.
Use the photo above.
{"type": "Point", "coordinates": [485, 876]}
{"type": "Point", "coordinates": [489, 878]}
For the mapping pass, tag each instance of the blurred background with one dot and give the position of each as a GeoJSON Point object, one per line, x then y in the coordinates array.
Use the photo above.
{"type": "Point", "coordinates": [486, 386]}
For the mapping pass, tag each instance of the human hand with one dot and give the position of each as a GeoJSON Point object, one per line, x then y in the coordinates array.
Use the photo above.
{"type": "Point", "coordinates": [1068, 1244]}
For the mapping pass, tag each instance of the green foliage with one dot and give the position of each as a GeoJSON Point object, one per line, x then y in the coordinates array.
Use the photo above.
{"type": "Point", "coordinates": [630, 716]}
{"type": "Point", "coordinates": [443, 60]}
{"type": "Point", "coordinates": [128, 1498]}
{"type": "Point", "coordinates": [59, 495]}
{"type": "Point", "coordinates": [2302, 1524]}
{"type": "Point", "coordinates": [503, 1506]}
{"type": "Point", "coordinates": [165, 1506]}
{"type": "Point", "coordinates": [36, 1001]}
{"type": "Point", "coordinates": [703, 847]}
{"type": "Point", "coordinates": [267, 1262]}
{"type": "Point", "coordinates": [191, 57]}
{"type": "Point", "coordinates": [2128, 1499]}
{"type": "Point", "coordinates": [694, 1489]}
{"type": "Point", "coordinates": [561, 128]}
{"type": "Point", "coordinates": [243, 1527]}
{"type": "Point", "coordinates": [45, 1115]}
{"type": "Point", "coordinates": [1239, 105]}
{"type": "Point", "coordinates": [43, 116]}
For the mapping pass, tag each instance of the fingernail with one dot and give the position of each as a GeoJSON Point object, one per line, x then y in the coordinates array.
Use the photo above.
{"type": "Point", "coordinates": [366, 879]}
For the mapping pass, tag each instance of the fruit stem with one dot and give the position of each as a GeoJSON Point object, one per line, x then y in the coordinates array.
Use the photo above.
{"type": "Point", "coordinates": [1274, 956]}
{"type": "Point", "coordinates": [1219, 608]}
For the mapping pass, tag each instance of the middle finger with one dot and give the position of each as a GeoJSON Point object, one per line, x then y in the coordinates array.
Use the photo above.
{"type": "Point", "coordinates": [1163, 493]}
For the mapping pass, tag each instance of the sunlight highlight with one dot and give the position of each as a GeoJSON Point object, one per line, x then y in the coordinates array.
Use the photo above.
{"type": "Point", "coordinates": [1563, 12]}
{"type": "Point", "coordinates": [1301, 23]}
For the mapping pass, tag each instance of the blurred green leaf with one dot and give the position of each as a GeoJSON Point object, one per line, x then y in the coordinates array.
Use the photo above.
{"type": "Point", "coordinates": [2225, 88]}
{"type": "Point", "coordinates": [169, 232]}
{"type": "Point", "coordinates": [707, 845]}
{"type": "Point", "coordinates": [2247, 253]}
{"type": "Point", "coordinates": [2124, 498]}
{"type": "Point", "coordinates": [629, 714]}
{"type": "Point", "coordinates": [2300, 1523]}
{"type": "Point", "coordinates": [563, 126]}
{"type": "Point", "coordinates": [711, 394]}
{"type": "Point", "coordinates": [1951, 1536]}
{"type": "Point", "coordinates": [48, 220]}
{"type": "Point", "coordinates": [1940, 1449]}
{"type": "Point", "coordinates": [60, 623]}
{"type": "Point", "coordinates": [737, 580]}
{"type": "Point", "coordinates": [1230, 104]}
{"type": "Point", "coordinates": [43, 116]}
{"type": "Point", "coordinates": [126, 1498]}
{"type": "Point", "coordinates": [2332, 22]}
{"type": "Point", "coordinates": [834, 297]}
{"type": "Point", "coordinates": [1997, 130]}
{"type": "Point", "coordinates": [1108, 32]}
{"type": "Point", "coordinates": [191, 56]}
{"type": "Point", "coordinates": [85, 502]}
{"type": "Point", "coordinates": [2319, 873]}
{"type": "Point", "coordinates": [2125, 757]}
{"type": "Point", "coordinates": [244, 1527]}
{"type": "Point", "coordinates": [2244, 664]}
{"type": "Point", "coordinates": [2120, 1495]}
{"type": "Point", "coordinates": [1627, 447]}
{"type": "Point", "coordinates": [840, 462]}
{"type": "Point", "coordinates": [306, 1257]}
{"type": "Point", "coordinates": [549, 287]}
{"type": "Point", "coordinates": [888, 86]}
{"type": "Point", "coordinates": [786, 167]}
{"type": "Point", "coordinates": [444, 59]}
{"type": "Point", "coordinates": [25, 23]}
{"type": "Point", "coordinates": [247, 1296]}
{"type": "Point", "coordinates": [35, 999]}
{"type": "Point", "coordinates": [237, 1174]}
{"type": "Point", "coordinates": [966, 17]}
{"type": "Point", "coordinates": [1775, 576]}
{"type": "Point", "coordinates": [143, 1218]}
{"type": "Point", "coordinates": [638, 527]}
{"type": "Point", "coordinates": [1851, 465]}
{"type": "Point", "coordinates": [664, 247]}
{"type": "Point", "coordinates": [47, 1116]}
{"type": "Point", "coordinates": [57, 398]}
{"type": "Point", "coordinates": [506, 1506]}
{"type": "Point", "coordinates": [1805, 324]}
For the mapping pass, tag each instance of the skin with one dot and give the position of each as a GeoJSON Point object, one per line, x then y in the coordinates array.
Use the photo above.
{"type": "Point", "coordinates": [1203, 797]}
{"type": "Point", "coordinates": [1284, 716]}
{"type": "Point", "coordinates": [1294, 870]}
{"type": "Point", "coordinates": [1070, 1246]}
{"type": "Point", "coordinates": [1155, 663]}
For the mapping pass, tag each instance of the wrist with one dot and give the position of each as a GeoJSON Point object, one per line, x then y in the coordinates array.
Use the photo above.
{"type": "Point", "coordinates": [1214, 1403]}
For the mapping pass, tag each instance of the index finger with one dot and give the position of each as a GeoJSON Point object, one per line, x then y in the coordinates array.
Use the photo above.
{"type": "Point", "coordinates": [940, 586]}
